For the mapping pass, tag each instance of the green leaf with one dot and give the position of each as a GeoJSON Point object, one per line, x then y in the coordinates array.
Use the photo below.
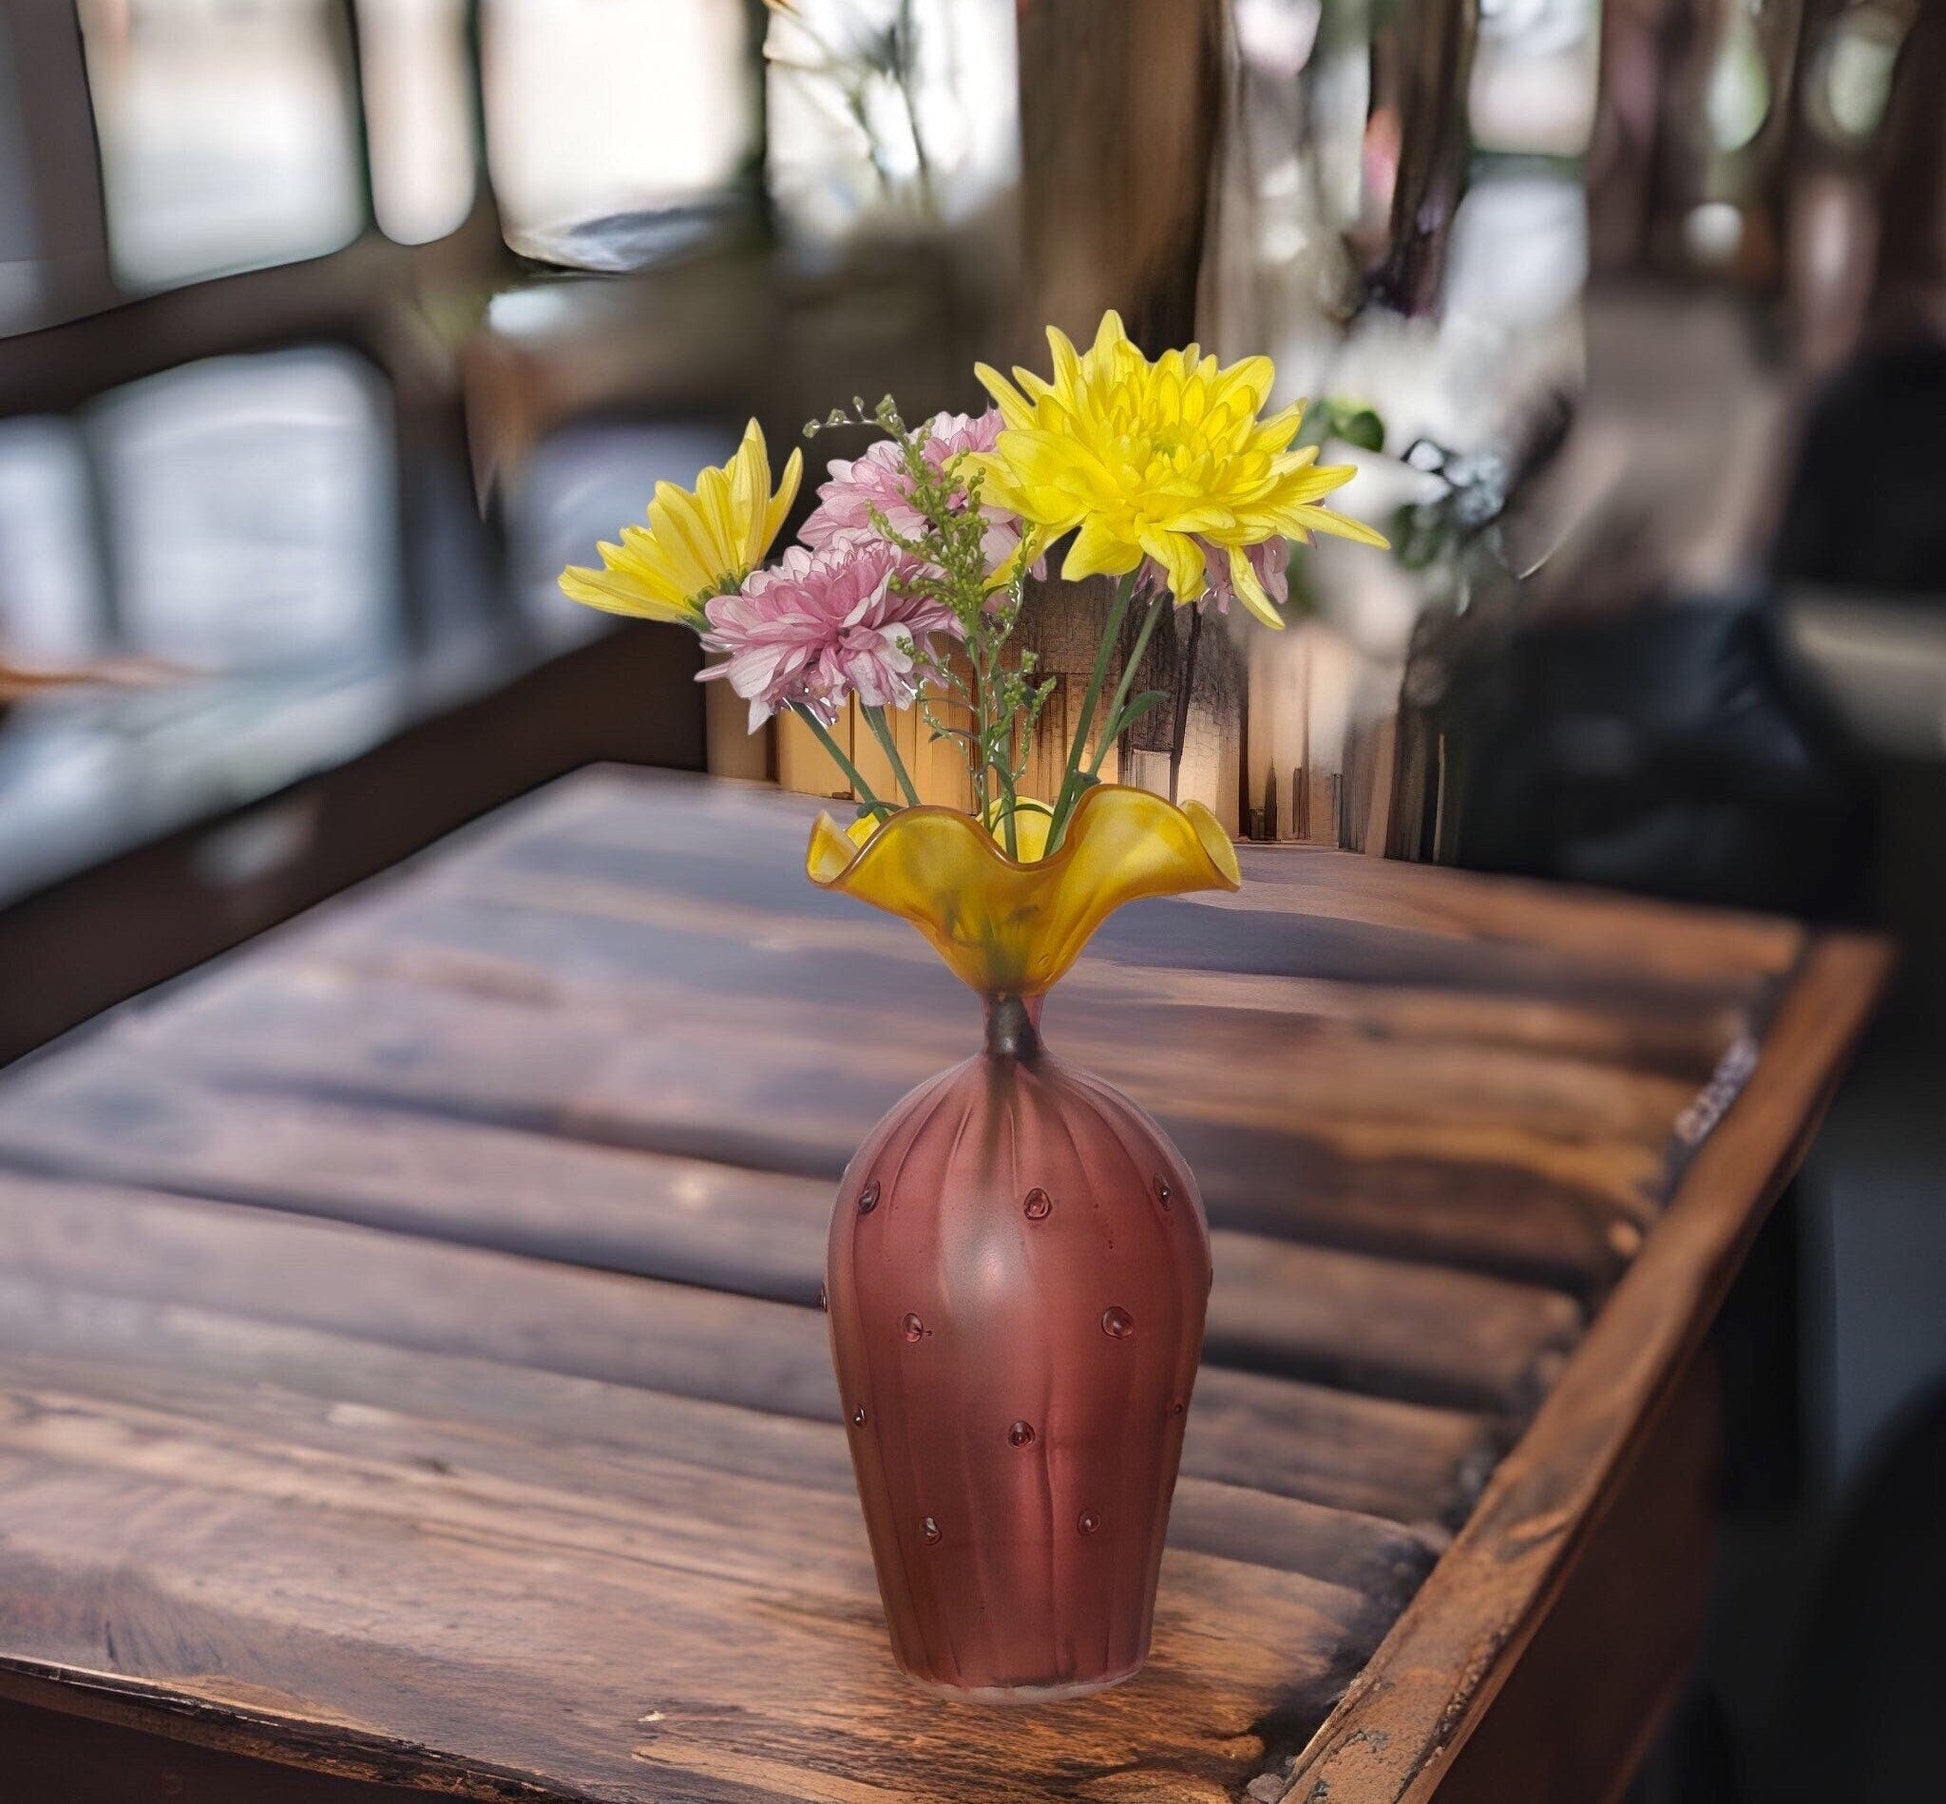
{"type": "Point", "coordinates": [1359, 426]}
{"type": "Point", "coordinates": [1140, 706]}
{"type": "Point", "coordinates": [1415, 542]}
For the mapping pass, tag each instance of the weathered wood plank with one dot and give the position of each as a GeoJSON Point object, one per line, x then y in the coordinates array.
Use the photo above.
{"type": "Point", "coordinates": [899, 1029]}
{"type": "Point", "coordinates": [1635, 1027]}
{"type": "Point", "coordinates": [1549, 1202]}
{"type": "Point", "coordinates": [397, 1579]}
{"type": "Point", "coordinates": [1404, 1462]}
{"type": "Point", "coordinates": [438, 1298]}
{"type": "Point", "coordinates": [420, 1294]}
{"type": "Point", "coordinates": [1399, 1330]}
{"type": "Point", "coordinates": [120, 1120]}
{"type": "Point", "coordinates": [1407, 1332]}
{"type": "Point", "coordinates": [1716, 950]}
{"type": "Point", "coordinates": [644, 1437]}
{"type": "Point", "coordinates": [1412, 1331]}
{"type": "Point", "coordinates": [670, 817]}
{"type": "Point", "coordinates": [767, 928]}
{"type": "Point", "coordinates": [1362, 1453]}
{"type": "Point", "coordinates": [1391, 1329]}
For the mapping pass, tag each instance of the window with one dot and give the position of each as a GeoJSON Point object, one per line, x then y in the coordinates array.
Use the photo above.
{"type": "Point", "coordinates": [881, 107]}
{"type": "Point", "coordinates": [228, 135]}
{"type": "Point", "coordinates": [615, 128]}
{"type": "Point", "coordinates": [416, 70]}
{"type": "Point", "coordinates": [252, 518]}
{"type": "Point", "coordinates": [52, 610]}
{"type": "Point", "coordinates": [579, 486]}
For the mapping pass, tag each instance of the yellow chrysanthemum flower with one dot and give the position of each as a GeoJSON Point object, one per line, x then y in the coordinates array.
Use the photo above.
{"type": "Point", "coordinates": [1163, 460]}
{"type": "Point", "coordinates": [697, 544]}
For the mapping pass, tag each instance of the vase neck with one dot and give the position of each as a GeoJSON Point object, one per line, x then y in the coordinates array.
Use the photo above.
{"type": "Point", "coordinates": [1013, 1026]}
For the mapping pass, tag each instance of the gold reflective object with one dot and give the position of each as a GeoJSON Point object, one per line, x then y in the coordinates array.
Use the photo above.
{"type": "Point", "coordinates": [1008, 928]}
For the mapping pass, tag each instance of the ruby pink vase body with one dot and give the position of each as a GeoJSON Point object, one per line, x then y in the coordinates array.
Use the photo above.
{"type": "Point", "coordinates": [1018, 1272]}
{"type": "Point", "coordinates": [1019, 1268]}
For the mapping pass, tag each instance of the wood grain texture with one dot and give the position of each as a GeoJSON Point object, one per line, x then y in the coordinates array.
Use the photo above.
{"type": "Point", "coordinates": [1398, 1462]}
{"type": "Point", "coordinates": [433, 1297]}
{"type": "Point", "coordinates": [579, 981]}
{"type": "Point", "coordinates": [1378, 1325]}
{"type": "Point", "coordinates": [734, 1086]}
{"type": "Point", "coordinates": [690, 1618]}
{"type": "Point", "coordinates": [411, 1375]}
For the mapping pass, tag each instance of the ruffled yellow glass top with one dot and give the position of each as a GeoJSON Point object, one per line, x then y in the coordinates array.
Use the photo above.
{"type": "Point", "coordinates": [1009, 928]}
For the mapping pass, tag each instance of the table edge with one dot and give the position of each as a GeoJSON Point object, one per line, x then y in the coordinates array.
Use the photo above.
{"type": "Point", "coordinates": [262, 1733]}
{"type": "Point", "coordinates": [1431, 1681]}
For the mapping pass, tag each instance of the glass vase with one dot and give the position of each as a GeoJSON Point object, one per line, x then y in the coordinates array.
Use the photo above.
{"type": "Point", "coordinates": [1018, 1272]}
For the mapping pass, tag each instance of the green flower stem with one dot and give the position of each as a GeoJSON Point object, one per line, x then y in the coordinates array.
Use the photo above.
{"type": "Point", "coordinates": [1070, 792]}
{"type": "Point", "coordinates": [875, 719]}
{"type": "Point", "coordinates": [1009, 807]}
{"type": "Point", "coordinates": [978, 748]}
{"type": "Point", "coordinates": [1114, 726]}
{"type": "Point", "coordinates": [844, 764]}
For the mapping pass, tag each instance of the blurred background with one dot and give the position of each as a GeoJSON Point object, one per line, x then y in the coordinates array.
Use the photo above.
{"type": "Point", "coordinates": [331, 329]}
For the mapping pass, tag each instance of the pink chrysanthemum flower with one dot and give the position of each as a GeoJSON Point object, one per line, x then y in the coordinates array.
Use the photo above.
{"type": "Point", "coordinates": [820, 626]}
{"type": "Point", "coordinates": [1270, 559]}
{"type": "Point", "coordinates": [877, 481]}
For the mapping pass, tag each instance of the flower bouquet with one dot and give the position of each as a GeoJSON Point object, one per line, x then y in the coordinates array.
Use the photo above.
{"type": "Point", "coordinates": [1018, 1263]}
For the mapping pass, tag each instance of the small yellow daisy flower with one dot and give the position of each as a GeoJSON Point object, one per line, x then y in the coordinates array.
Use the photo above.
{"type": "Point", "coordinates": [1166, 460]}
{"type": "Point", "coordinates": [697, 544]}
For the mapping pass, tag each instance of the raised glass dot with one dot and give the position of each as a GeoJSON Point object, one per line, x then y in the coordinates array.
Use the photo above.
{"type": "Point", "coordinates": [824, 1297]}
{"type": "Point", "coordinates": [913, 1328]}
{"type": "Point", "coordinates": [1164, 1194]}
{"type": "Point", "coordinates": [868, 1198]}
{"type": "Point", "coordinates": [1117, 1323]}
{"type": "Point", "coordinates": [930, 1529]}
{"type": "Point", "coordinates": [1038, 1206]}
{"type": "Point", "coordinates": [1177, 1407]}
{"type": "Point", "coordinates": [858, 1417]}
{"type": "Point", "coordinates": [1088, 1522]}
{"type": "Point", "coordinates": [1021, 1434]}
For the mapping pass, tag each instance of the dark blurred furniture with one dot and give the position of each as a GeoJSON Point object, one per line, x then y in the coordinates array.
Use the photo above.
{"type": "Point", "coordinates": [1853, 1718]}
{"type": "Point", "coordinates": [1863, 513]}
{"type": "Point", "coordinates": [1668, 752]}
{"type": "Point", "coordinates": [413, 1375]}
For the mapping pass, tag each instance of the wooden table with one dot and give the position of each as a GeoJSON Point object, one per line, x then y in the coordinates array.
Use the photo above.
{"type": "Point", "coordinates": [411, 1373]}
